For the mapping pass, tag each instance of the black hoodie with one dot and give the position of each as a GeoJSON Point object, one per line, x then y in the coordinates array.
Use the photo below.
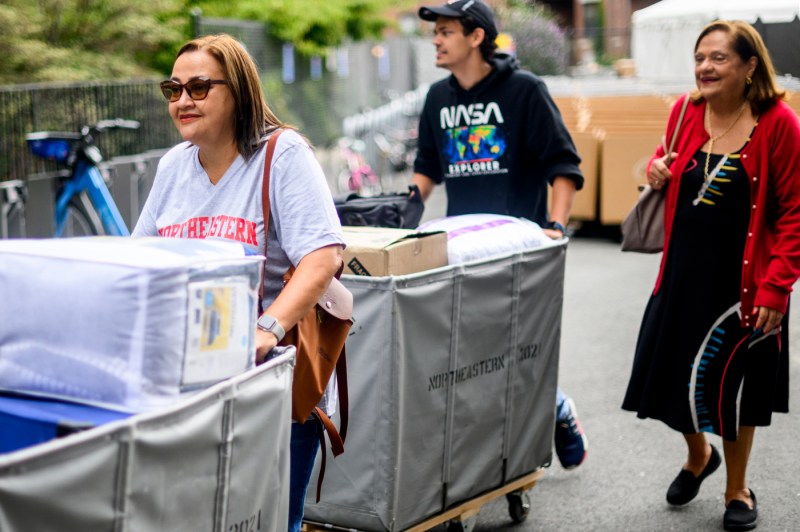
{"type": "Point", "coordinates": [496, 145]}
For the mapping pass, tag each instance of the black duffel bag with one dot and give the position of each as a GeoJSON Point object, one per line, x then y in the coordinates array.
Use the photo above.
{"type": "Point", "coordinates": [401, 210]}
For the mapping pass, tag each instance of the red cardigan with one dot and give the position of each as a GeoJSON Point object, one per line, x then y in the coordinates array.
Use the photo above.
{"type": "Point", "coordinates": [771, 159]}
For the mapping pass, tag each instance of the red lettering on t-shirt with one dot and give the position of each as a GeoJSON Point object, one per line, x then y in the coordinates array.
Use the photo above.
{"type": "Point", "coordinates": [202, 226]}
{"type": "Point", "coordinates": [222, 226]}
{"type": "Point", "coordinates": [252, 236]}
{"type": "Point", "coordinates": [239, 230]}
{"type": "Point", "coordinates": [230, 227]}
{"type": "Point", "coordinates": [214, 229]}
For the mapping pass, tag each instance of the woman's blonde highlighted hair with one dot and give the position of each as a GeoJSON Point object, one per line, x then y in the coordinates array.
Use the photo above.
{"type": "Point", "coordinates": [763, 91]}
{"type": "Point", "coordinates": [253, 119]}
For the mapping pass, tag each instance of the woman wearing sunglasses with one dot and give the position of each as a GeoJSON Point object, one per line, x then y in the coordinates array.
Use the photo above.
{"type": "Point", "coordinates": [210, 187]}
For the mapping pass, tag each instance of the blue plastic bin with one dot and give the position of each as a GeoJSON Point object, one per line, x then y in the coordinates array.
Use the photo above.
{"type": "Point", "coordinates": [26, 420]}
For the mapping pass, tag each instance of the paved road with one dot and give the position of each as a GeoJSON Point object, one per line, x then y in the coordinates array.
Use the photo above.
{"type": "Point", "coordinates": [622, 484]}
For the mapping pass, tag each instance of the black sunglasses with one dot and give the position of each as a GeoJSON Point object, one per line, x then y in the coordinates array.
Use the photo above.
{"type": "Point", "coordinates": [196, 88]}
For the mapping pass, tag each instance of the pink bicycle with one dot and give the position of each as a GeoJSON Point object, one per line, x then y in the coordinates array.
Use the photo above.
{"type": "Point", "coordinates": [357, 175]}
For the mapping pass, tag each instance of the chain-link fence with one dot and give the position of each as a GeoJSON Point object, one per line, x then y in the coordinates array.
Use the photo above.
{"type": "Point", "coordinates": [317, 94]}
{"type": "Point", "coordinates": [67, 107]}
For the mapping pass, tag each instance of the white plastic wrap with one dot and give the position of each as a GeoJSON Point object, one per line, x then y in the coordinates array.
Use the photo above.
{"type": "Point", "coordinates": [473, 237]}
{"type": "Point", "coordinates": [124, 322]}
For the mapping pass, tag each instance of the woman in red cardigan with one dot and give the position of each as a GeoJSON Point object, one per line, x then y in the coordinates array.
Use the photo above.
{"type": "Point", "coordinates": [712, 355]}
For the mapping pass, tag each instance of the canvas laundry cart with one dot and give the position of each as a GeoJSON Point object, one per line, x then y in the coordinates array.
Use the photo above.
{"type": "Point", "coordinates": [452, 379]}
{"type": "Point", "coordinates": [215, 461]}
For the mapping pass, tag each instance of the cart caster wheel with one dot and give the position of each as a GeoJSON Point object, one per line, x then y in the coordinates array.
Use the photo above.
{"type": "Point", "coordinates": [455, 526]}
{"type": "Point", "coordinates": [519, 506]}
{"type": "Point", "coordinates": [463, 525]}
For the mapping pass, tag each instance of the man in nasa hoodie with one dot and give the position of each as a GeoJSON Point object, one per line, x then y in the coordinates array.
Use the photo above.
{"type": "Point", "coordinates": [491, 132]}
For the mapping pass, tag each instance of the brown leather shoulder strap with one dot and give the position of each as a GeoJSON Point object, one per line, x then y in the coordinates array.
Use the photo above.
{"type": "Point", "coordinates": [273, 140]}
{"type": "Point", "coordinates": [337, 445]}
{"type": "Point", "coordinates": [344, 397]}
{"type": "Point", "coordinates": [678, 124]}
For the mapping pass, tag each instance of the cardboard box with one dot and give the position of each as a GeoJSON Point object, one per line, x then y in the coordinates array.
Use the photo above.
{"type": "Point", "coordinates": [585, 206]}
{"type": "Point", "coordinates": [378, 251]}
{"type": "Point", "coordinates": [623, 167]}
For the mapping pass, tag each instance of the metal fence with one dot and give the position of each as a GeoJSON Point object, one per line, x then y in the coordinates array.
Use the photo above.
{"type": "Point", "coordinates": [317, 94]}
{"type": "Point", "coordinates": [394, 119]}
{"type": "Point", "coordinates": [66, 107]}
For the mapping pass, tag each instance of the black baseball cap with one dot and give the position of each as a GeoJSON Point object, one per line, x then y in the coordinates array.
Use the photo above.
{"type": "Point", "coordinates": [480, 12]}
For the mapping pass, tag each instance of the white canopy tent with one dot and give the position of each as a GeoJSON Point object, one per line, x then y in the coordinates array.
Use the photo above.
{"type": "Point", "coordinates": [663, 35]}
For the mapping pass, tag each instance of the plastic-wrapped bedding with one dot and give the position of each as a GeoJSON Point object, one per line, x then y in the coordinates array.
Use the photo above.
{"type": "Point", "coordinates": [126, 322]}
{"type": "Point", "coordinates": [473, 237]}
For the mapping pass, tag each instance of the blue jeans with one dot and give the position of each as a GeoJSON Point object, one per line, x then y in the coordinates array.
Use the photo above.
{"type": "Point", "coordinates": [302, 453]}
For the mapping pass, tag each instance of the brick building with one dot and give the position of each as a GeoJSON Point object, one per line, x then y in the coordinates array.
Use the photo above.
{"type": "Point", "coordinates": [598, 27]}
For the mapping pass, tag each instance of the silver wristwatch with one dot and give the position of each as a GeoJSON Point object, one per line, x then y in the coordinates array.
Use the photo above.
{"type": "Point", "coordinates": [270, 324]}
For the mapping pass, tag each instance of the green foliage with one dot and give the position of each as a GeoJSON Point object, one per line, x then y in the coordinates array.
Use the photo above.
{"type": "Point", "coordinates": [275, 91]}
{"type": "Point", "coordinates": [73, 40]}
{"type": "Point", "coordinates": [305, 104]}
{"type": "Point", "coordinates": [70, 40]}
{"type": "Point", "coordinates": [599, 43]}
{"type": "Point", "coordinates": [312, 26]}
{"type": "Point", "coordinates": [541, 46]}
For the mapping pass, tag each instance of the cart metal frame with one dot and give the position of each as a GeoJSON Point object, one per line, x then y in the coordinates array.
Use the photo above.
{"type": "Point", "coordinates": [461, 516]}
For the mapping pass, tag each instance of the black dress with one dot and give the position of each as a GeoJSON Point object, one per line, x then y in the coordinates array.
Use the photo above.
{"type": "Point", "coordinates": [695, 367]}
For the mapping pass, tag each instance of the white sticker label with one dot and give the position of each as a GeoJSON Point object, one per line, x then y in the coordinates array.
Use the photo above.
{"type": "Point", "coordinates": [220, 332]}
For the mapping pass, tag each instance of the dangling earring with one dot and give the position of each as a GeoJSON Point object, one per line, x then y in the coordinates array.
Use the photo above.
{"type": "Point", "coordinates": [749, 80]}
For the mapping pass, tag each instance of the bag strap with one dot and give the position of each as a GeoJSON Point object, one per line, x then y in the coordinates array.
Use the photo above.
{"type": "Point", "coordinates": [273, 141]}
{"type": "Point", "coordinates": [344, 397]}
{"type": "Point", "coordinates": [326, 425]}
{"type": "Point", "coordinates": [337, 445]}
{"type": "Point", "coordinates": [677, 128]}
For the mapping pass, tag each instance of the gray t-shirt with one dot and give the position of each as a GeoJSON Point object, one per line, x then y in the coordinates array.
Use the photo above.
{"type": "Point", "coordinates": [183, 203]}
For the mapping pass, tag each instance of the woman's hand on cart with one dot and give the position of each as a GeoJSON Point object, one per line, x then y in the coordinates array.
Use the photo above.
{"type": "Point", "coordinates": [265, 341]}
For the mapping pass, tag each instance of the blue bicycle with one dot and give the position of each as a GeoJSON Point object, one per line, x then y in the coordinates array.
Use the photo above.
{"type": "Point", "coordinates": [84, 205]}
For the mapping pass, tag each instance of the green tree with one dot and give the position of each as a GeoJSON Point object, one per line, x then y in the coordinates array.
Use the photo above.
{"type": "Point", "coordinates": [70, 40]}
{"type": "Point", "coordinates": [312, 26]}
{"type": "Point", "coordinates": [541, 45]}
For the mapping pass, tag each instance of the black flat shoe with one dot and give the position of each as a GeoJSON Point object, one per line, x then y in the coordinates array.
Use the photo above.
{"type": "Point", "coordinates": [685, 486]}
{"type": "Point", "coordinates": [738, 516]}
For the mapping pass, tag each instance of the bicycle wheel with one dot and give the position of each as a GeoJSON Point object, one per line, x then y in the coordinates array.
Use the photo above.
{"type": "Point", "coordinates": [78, 221]}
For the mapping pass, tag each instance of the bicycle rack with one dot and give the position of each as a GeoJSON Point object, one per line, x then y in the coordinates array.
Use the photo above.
{"type": "Point", "coordinates": [132, 176]}
{"type": "Point", "coordinates": [12, 208]}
